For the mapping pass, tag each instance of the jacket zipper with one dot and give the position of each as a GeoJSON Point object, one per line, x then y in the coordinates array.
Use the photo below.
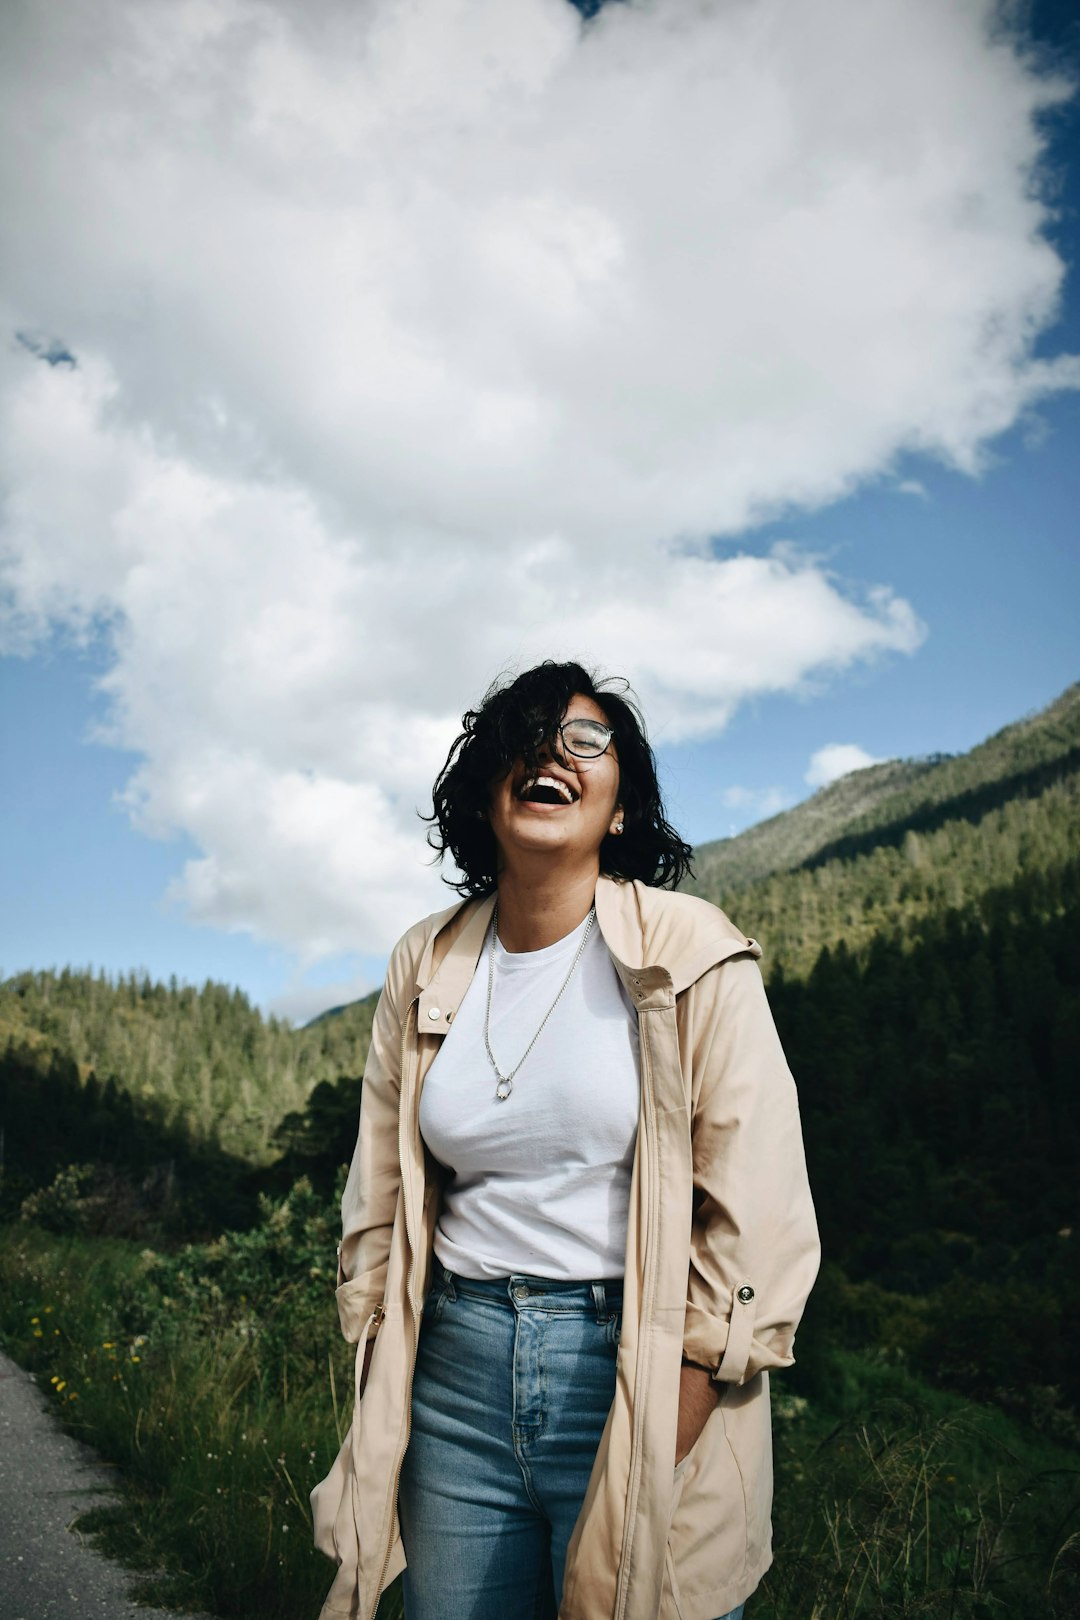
{"type": "Point", "coordinates": [641, 1379]}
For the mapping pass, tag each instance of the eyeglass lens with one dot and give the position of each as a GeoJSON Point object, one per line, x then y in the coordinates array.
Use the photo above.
{"type": "Point", "coordinates": [585, 738]}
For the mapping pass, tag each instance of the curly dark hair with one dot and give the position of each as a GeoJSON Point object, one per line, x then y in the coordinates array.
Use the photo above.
{"type": "Point", "coordinates": [513, 722]}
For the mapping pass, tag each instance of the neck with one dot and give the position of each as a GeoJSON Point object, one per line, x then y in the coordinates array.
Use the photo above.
{"type": "Point", "coordinates": [535, 912]}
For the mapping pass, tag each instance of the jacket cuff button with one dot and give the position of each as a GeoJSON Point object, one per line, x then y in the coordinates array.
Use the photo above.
{"type": "Point", "coordinates": [745, 1294]}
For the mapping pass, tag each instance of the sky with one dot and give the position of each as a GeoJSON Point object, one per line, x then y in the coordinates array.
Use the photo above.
{"type": "Point", "coordinates": [351, 357]}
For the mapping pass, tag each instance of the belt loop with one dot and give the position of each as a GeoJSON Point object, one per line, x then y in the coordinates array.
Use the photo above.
{"type": "Point", "coordinates": [599, 1298]}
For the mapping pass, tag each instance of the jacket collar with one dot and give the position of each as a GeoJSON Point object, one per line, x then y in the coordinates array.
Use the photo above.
{"type": "Point", "coordinates": [648, 929]}
{"type": "Point", "coordinates": [449, 961]}
{"type": "Point", "coordinates": [660, 942]}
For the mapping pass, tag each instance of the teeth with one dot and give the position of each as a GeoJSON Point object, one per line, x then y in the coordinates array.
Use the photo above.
{"type": "Point", "coordinates": [560, 787]}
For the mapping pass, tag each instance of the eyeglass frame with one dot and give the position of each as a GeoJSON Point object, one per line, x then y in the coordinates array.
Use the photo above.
{"type": "Point", "coordinates": [585, 720]}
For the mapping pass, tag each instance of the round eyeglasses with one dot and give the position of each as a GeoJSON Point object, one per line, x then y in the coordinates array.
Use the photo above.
{"type": "Point", "coordinates": [585, 739]}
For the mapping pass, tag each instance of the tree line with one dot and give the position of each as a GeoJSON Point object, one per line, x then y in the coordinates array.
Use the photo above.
{"type": "Point", "coordinates": [210, 1062]}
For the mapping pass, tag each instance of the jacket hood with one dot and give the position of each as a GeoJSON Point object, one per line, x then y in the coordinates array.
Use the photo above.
{"type": "Point", "coordinates": [645, 927]}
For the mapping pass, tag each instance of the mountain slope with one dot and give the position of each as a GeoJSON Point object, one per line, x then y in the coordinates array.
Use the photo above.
{"type": "Point", "coordinates": [880, 804]}
{"type": "Point", "coordinates": [886, 848]}
{"type": "Point", "coordinates": [206, 1057]}
{"type": "Point", "coordinates": [793, 836]}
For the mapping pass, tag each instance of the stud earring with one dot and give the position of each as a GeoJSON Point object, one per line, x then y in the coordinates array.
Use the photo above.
{"type": "Point", "coordinates": [618, 827]}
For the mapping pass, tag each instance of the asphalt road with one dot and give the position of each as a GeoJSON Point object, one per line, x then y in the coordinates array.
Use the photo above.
{"type": "Point", "coordinates": [47, 1478]}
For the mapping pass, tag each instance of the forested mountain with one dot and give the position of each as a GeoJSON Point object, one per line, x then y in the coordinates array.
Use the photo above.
{"type": "Point", "coordinates": [884, 849]}
{"type": "Point", "coordinates": [793, 836]}
{"type": "Point", "coordinates": [937, 1077]}
{"type": "Point", "coordinates": [879, 804]}
{"type": "Point", "coordinates": [204, 1060]}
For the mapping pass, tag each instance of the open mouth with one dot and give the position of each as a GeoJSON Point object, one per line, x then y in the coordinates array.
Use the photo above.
{"type": "Point", "coordinates": [546, 790]}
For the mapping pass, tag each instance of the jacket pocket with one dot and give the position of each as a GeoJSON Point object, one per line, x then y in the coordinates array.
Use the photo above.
{"type": "Point", "coordinates": [707, 1541]}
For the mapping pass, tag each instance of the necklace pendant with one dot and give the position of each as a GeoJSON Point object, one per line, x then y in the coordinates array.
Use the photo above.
{"type": "Point", "coordinates": [503, 1089]}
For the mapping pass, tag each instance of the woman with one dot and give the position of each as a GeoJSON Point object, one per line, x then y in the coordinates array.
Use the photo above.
{"type": "Point", "coordinates": [577, 1232]}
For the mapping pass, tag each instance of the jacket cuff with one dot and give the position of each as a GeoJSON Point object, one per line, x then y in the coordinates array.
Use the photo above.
{"type": "Point", "coordinates": [723, 1344]}
{"type": "Point", "coordinates": [356, 1301]}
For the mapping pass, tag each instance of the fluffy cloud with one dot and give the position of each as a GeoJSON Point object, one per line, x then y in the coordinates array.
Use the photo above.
{"type": "Point", "coordinates": [415, 341]}
{"type": "Point", "coordinates": [828, 764]}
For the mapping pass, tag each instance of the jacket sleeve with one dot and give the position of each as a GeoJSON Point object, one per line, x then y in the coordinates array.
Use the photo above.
{"type": "Point", "coordinates": [371, 1190]}
{"type": "Point", "coordinates": [754, 1248]}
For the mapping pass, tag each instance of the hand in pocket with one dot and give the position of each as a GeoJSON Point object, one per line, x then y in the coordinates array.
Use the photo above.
{"type": "Point", "coordinates": [698, 1396]}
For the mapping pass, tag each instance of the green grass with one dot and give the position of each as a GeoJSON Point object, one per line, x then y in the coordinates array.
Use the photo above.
{"type": "Point", "coordinates": [216, 1453]}
{"type": "Point", "coordinates": [893, 1499]}
{"type": "Point", "coordinates": [910, 1502]}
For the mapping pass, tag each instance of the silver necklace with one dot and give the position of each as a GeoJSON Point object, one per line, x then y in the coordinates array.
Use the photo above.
{"type": "Point", "coordinates": [506, 1081]}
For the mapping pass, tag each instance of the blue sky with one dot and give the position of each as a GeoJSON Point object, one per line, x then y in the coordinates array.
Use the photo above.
{"type": "Point", "coordinates": [197, 765]}
{"type": "Point", "coordinates": [993, 567]}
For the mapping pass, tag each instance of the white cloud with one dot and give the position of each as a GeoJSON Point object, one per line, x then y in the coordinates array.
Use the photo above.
{"type": "Point", "coordinates": [760, 803]}
{"type": "Point", "coordinates": [416, 340]}
{"type": "Point", "coordinates": [828, 764]}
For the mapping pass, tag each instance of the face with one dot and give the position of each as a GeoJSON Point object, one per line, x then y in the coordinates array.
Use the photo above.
{"type": "Point", "coordinates": [567, 806]}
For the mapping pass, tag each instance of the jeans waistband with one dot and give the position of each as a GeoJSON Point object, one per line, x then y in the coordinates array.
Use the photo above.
{"type": "Point", "coordinates": [521, 1292]}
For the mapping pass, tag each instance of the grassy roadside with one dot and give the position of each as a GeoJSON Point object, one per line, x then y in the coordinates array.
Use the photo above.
{"type": "Point", "coordinates": [221, 1413]}
{"type": "Point", "coordinates": [215, 1379]}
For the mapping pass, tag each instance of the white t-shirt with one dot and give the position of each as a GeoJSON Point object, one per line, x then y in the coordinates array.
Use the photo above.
{"type": "Point", "coordinates": [541, 1182]}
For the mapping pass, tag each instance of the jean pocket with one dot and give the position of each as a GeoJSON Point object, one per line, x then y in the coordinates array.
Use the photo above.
{"type": "Point", "coordinates": [613, 1329]}
{"type": "Point", "coordinates": [435, 1302]}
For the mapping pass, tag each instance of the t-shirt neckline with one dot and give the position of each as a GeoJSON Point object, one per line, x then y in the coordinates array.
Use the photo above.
{"type": "Point", "coordinates": [518, 961]}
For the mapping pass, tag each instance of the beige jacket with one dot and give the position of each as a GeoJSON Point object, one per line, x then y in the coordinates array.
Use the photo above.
{"type": "Point", "coordinates": [721, 1252]}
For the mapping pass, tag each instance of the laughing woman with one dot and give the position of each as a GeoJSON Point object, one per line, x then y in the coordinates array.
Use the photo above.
{"type": "Point", "coordinates": [577, 1233]}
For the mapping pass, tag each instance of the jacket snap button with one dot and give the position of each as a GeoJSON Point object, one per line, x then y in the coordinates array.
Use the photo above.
{"type": "Point", "coordinates": [433, 1013]}
{"type": "Point", "coordinates": [745, 1294]}
{"type": "Point", "coordinates": [449, 1018]}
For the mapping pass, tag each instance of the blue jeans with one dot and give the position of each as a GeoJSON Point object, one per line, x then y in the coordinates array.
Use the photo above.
{"type": "Point", "coordinates": [513, 1383]}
